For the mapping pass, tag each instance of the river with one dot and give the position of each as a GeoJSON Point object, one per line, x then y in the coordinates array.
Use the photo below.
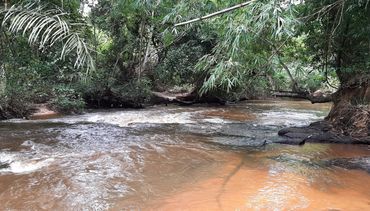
{"type": "Point", "coordinates": [177, 158]}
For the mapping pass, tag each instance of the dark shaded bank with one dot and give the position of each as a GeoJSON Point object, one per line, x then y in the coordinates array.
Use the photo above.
{"type": "Point", "coordinates": [10, 112]}
{"type": "Point", "coordinates": [35, 111]}
{"type": "Point", "coordinates": [190, 98]}
{"type": "Point", "coordinates": [47, 109]}
{"type": "Point", "coordinates": [319, 132]}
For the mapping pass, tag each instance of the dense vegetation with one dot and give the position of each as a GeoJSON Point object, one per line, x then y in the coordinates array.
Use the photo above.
{"type": "Point", "coordinates": [55, 52]}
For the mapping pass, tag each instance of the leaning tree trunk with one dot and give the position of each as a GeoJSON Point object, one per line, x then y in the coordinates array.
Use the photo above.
{"type": "Point", "coordinates": [350, 114]}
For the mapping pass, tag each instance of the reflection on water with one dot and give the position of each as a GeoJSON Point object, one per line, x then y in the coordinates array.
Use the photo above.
{"type": "Point", "coordinates": [171, 158]}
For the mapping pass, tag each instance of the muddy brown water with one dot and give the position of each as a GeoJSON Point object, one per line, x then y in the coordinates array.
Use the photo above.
{"type": "Point", "coordinates": [177, 158]}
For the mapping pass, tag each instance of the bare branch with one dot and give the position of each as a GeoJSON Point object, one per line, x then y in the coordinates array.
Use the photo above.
{"type": "Point", "coordinates": [216, 13]}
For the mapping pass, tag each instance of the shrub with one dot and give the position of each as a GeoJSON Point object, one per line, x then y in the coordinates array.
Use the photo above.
{"type": "Point", "coordinates": [178, 67]}
{"type": "Point", "coordinates": [134, 93]}
{"type": "Point", "coordinates": [67, 100]}
{"type": "Point", "coordinates": [105, 90]}
{"type": "Point", "coordinates": [15, 103]}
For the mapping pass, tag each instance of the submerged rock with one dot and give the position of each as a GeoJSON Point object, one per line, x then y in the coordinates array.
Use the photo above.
{"type": "Point", "coordinates": [318, 132]}
{"type": "Point", "coordinates": [362, 163]}
{"type": "Point", "coordinates": [4, 165]}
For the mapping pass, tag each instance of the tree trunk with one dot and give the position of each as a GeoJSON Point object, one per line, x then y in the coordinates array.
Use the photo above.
{"type": "Point", "coordinates": [295, 87]}
{"type": "Point", "coordinates": [2, 80]}
{"type": "Point", "coordinates": [349, 113]}
{"type": "Point", "coordinates": [3, 51]}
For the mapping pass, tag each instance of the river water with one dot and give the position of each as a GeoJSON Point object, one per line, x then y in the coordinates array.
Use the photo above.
{"type": "Point", "coordinates": [177, 158]}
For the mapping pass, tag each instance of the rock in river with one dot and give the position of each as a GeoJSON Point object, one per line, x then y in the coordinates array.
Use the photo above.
{"type": "Point", "coordinates": [317, 132]}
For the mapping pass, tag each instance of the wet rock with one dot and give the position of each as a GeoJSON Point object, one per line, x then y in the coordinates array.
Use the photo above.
{"type": "Point", "coordinates": [297, 160]}
{"type": "Point", "coordinates": [297, 135]}
{"type": "Point", "coordinates": [329, 137]}
{"type": "Point", "coordinates": [362, 163]}
{"type": "Point", "coordinates": [301, 132]}
{"type": "Point", "coordinates": [4, 165]}
{"type": "Point", "coordinates": [291, 141]}
{"type": "Point", "coordinates": [318, 132]}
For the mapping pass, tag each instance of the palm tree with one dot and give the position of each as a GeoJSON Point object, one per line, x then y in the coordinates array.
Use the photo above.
{"type": "Point", "coordinates": [45, 27]}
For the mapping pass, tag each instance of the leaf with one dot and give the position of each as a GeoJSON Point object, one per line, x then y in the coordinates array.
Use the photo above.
{"type": "Point", "coordinates": [45, 28]}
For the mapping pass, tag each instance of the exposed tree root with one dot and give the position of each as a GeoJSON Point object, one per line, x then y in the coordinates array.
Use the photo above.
{"type": "Point", "coordinates": [351, 120]}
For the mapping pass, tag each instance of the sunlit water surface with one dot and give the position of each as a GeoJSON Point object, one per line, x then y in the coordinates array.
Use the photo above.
{"type": "Point", "coordinates": [177, 158]}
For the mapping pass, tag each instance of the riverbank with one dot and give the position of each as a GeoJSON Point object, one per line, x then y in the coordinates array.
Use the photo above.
{"type": "Point", "coordinates": [42, 111]}
{"type": "Point", "coordinates": [319, 132]}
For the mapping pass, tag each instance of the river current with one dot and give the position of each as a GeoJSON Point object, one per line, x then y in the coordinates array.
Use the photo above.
{"type": "Point", "coordinates": [177, 158]}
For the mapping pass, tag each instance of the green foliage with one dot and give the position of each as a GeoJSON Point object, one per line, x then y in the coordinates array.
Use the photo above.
{"type": "Point", "coordinates": [14, 103]}
{"type": "Point", "coordinates": [338, 36]}
{"type": "Point", "coordinates": [134, 93]}
{"type": "Point", "coordinates": [104, 89]}
{"type": "Point", "coordinates": [46, 27]}
{"type": "Point", "coordinates": [67, 100]}
{"type": "Point", "coordinates": [34, 36]}
{"type": "Point", "coordinates": [178, 67]}
{"type": "Point", "coordinates": [265, 46]}
{"type": "Point", "coordinates": [249, 39]}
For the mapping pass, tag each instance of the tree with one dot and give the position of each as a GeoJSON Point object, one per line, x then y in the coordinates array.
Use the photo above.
{"type": "Point", "coordinates": [341, 29]}
{"type": "Point", "coordinates": [46, 27]}
{"type": "Point", "coordinates": [254, 37]}
{"type": "Point", "coordinates": [42, 45]}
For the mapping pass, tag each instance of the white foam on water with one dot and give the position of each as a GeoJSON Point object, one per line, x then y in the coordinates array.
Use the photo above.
{"type": "Point", "coordinates": [18, 165]}
{"type": "Point", "coordinates": [215, 120]}
{"type": "Point", "coordinates": [287, 118]}
{"type": "Point", "coordinates": [128, 117]}
{"type": "Point", "coordinates": [6, 158]}
{"type": "Point", "coordinates": [179, 115]}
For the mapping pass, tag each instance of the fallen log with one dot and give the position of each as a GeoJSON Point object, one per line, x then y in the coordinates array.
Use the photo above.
{"type": "Point", "coordinates": [238, 6]}
{"type": "Point", "coordinates": [185, 98]}
{"type": "Point", "coordinates": [316, 97]}
{"type": "Point", "coordinates": [164, 98]}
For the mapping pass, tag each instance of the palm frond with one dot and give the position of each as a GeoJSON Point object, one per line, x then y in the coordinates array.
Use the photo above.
{"type": "Point", "coordinates": [46, 27]}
